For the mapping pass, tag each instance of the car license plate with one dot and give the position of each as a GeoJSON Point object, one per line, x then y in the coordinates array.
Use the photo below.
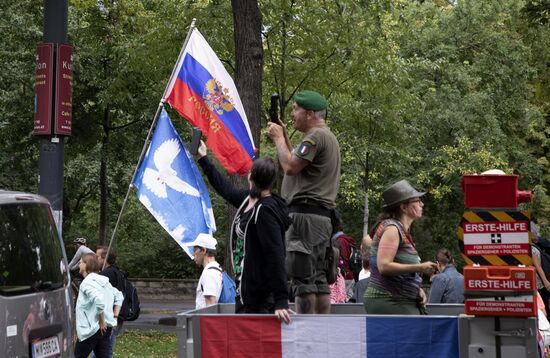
{"type": "Point", "coordinates": [45, 348]}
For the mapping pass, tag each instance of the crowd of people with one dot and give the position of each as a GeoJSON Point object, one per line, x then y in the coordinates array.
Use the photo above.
{"type": "Point", "coordinates": [279, 244]}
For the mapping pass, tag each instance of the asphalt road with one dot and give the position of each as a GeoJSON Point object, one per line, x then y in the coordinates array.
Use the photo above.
{"type": "Point", "coordinates": [159, 315]}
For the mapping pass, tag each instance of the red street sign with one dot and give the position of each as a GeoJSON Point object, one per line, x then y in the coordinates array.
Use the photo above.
{"type": "Point", "coordinates": [43, 89]}
{"type": "Point", "coordinates": [64, 90]}
{"type": "Point", "coordinates": [519, 281]}
{"type": "Point", "coordinates": [488, 307]}
{"type": "Point", "coordinates": [495, 237]}
{"type": "Point", "coordinates": [500, 291]}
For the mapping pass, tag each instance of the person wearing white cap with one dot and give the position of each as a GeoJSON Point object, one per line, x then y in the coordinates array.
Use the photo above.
{"type": "Point", "coordinates": [209, 287]}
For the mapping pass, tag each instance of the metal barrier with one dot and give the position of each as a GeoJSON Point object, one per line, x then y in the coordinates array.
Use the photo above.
{"type": "Point", "coordinates": [469, 340]}
{"type": "Point", "coordinates": [497, 337]}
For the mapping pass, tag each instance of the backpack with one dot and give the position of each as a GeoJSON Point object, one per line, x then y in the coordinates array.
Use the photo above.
{"type": "Point", "coordinates": [354, 261]}
{"type": "Point", "coordinates": [130, 306]}
{"type": "Point", "coordinates": [229, 289]}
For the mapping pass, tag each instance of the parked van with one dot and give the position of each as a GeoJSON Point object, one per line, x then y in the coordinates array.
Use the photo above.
{"type": "Point", "coordinates": [36, 318]}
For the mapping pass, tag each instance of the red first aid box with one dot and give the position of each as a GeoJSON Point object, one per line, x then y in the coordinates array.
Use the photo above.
{"type": "Point", "coordinates": [487, 191]}
{"type": "Point", "coordinates": [500, 291]}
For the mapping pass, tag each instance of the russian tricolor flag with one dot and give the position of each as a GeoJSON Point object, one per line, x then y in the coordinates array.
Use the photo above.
{"type": "Point", "coordinates": [203, 92]}
{"type": "Point", "coordinates": [329, 336]}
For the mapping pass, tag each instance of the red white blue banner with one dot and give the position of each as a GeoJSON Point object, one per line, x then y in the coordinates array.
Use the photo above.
{"type": "Point", "coordinates": [329, 336]}
{"type": "Point", "coordinates": [203, 92]}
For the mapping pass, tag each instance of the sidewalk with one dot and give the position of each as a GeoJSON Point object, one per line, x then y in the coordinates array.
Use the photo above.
{"type": "Point", "coordinates": [159, 314]}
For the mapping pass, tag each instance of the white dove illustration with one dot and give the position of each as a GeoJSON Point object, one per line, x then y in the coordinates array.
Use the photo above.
{"type": "Point", "coordinates": [157, 180]}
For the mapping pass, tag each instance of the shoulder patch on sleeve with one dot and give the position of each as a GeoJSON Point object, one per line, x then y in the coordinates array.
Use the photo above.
{"type": "Point", "coordinates": [305, 147]}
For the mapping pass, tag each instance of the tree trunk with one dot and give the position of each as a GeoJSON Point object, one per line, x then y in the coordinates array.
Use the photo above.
{"type": "Point", "coordinates": [247, 22]}
{"type": "Point", "coordinates": [366, 187]}
{"type": "Point", "coordinates": [103, 180]}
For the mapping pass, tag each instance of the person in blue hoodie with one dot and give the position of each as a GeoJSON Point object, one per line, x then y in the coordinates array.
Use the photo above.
{"type": "Point", "coordinates": [97, 308]}
{"type": "Point", "coordinates": [257, 237]}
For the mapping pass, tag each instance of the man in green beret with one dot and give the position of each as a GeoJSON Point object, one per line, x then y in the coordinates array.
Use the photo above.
{"type": "Point", "coordinates": [310, 186]}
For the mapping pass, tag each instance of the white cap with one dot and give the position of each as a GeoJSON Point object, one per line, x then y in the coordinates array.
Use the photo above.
{"type": "Point", "coordinates": [204, 240]}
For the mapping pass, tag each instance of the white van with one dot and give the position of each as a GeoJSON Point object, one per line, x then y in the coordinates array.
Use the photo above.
{"type": "Point", "coordinates": [36, 318]}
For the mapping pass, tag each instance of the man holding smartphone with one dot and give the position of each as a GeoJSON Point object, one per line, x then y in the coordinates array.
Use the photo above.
{"type": "Point", "coordinates": [310, 186]}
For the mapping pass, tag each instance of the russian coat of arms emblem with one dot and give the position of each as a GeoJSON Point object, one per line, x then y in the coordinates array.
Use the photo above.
{"type": "Point", "coordinates": [217, 98]}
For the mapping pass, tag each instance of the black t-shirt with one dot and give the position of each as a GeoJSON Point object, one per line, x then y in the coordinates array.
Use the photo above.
{"type": "Point", "coordinates": [111, 273]}
{"type": "Point", "coordinates": [241, 220]}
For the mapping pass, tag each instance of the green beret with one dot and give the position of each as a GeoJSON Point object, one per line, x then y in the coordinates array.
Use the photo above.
{"type": "Point", "coordinates": [310, 100]}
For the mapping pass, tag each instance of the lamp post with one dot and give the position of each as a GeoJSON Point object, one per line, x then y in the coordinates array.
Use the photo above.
{"type": "Point", "coordinates": [53, 104]}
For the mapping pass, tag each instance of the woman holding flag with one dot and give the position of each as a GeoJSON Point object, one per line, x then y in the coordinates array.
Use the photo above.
{"type": "Point", "coordinates": [257, 237]}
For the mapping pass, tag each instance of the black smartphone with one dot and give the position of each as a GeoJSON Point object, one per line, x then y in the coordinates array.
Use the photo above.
{"type": "Point", "coordinates": [274, 109]}
{"type": "Point", "coordinates": [195, 141]}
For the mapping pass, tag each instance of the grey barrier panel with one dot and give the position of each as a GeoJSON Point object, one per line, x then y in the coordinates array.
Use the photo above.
{"type": "Point", "coordinates": [479, 337]}
{"type": "Point", "coordinates": [188, 328]}
{"type": "Point", "coordinates": [188, 323]}
{"type": "Point", "coordinates": [445, 309]}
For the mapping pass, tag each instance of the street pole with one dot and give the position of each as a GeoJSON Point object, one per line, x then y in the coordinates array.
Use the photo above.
{"type": "Point", "coordinates": [52, 146]}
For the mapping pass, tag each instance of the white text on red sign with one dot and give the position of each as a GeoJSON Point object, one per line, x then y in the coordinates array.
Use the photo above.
{"type": "Point", "coordinates": [487, 284]}
{"type": "Point", "coordinates": [501, 227]}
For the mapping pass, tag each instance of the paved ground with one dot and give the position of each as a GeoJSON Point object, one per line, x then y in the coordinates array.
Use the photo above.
{"type": "Point", "coordinates": [159, 314]}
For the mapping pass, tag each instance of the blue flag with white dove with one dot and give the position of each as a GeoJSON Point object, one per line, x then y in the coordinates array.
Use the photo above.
{"type": "Point", "coordinates": [172, 189]}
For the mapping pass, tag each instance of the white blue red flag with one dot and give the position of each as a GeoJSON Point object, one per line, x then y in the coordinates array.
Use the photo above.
{"type": "Point", "coordinates": [333, 336]}
{"type": "Point", "coordinates": [172, 189]}
{"type": "Point", "coordinates": [202, 91]}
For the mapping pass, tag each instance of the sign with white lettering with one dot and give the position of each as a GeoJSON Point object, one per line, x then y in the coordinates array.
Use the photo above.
{"type": "Point", "coordinates": [43, 84]}
{"type": "Point", "coordinates": [64, 90]}
{"type": "Point", "coordinates": [500, 291]}
{"type": "Point", "coordinates": [495, 237]}
{"type": "Point", "coordinates": [521, 306]}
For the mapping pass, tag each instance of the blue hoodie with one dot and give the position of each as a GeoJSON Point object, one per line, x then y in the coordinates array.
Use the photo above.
{"type": "Point", "coordinates": [96, 295]}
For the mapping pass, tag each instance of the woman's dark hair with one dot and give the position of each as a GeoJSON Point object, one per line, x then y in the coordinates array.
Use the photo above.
{"type": "Point", "coordinates": [365, 262]}
{"type": "Point", "coordinates": [390, 212]}
{"type": "Point", "coordinates": [262, 175]}
{"type": "Point", "coordinates": [444, 257]}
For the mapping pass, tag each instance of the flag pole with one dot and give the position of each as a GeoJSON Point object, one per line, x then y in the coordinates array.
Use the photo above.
{"type": "Point", "coordinates": [144, 149]}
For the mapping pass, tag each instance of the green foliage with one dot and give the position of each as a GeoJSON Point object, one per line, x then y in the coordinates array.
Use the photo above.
{"type": "Point", "coordinates": [19, 25]}
{"type": "Point", "coordinates": [420, 90]}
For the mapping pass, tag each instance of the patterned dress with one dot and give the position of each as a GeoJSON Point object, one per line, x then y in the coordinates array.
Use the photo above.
{"type": "Point", "coordinates": [392, 294]}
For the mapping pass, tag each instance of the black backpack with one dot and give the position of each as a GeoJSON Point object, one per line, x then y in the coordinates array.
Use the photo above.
{"type": "Point", "coordinates": [130, 307]}
{"type": "Point", "coordinates": [355, 262]}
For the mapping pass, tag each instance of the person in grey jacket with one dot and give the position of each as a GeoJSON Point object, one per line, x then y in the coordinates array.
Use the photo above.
{"type": "Point", "coordinates": [81, 249]}
{"type": "Point", "coordinates": [448, 285]}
